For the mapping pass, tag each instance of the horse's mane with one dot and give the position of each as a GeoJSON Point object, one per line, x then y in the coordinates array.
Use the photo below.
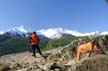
{"type": "Point", "coordinates": [95, 41]}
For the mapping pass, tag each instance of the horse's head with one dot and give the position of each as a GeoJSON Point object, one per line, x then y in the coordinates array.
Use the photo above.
{"type": "Point", "coordinates": [95, 42]}
{"type": "Point", "coordinates": [101, 43]}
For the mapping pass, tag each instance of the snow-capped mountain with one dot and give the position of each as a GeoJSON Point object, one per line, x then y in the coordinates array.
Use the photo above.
{"type": "Point", "coordinates": [19, 31]}
{"type": "Point", "coordinates": [49, 33]}
{"type": "Point", "coordinates": [58, 32]}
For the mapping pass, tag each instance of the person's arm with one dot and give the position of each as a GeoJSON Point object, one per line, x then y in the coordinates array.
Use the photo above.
{"type": "Point", "coordinates": [38, 39]}
{"type": "Point", "coordinates": [30, 39]}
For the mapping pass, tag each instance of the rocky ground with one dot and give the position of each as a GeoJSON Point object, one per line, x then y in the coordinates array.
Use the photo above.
{"type": "Point", "coordinates": [59, 59]}
{"type": "Point", "coordinates": [26, 62]}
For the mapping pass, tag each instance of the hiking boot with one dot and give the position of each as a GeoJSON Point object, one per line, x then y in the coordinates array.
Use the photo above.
{"type": "Point", "coordinates": [34, 56]}
{"type": "Point", "coordinates": [42, 55]}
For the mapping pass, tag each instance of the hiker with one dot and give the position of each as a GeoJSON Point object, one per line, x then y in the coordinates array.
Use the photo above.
{"type": "Point", "coordinates": [34, 40]}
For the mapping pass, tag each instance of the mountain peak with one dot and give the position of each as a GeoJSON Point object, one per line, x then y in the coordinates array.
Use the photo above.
{"type": "Point", "coordinates": [22, 29]}
{"type": "Point", "coordinates": [16, 31]}
{"type": "Point", "coordinates": [2, 32]}
{"type": "Point", "coordinates": [51, 32]}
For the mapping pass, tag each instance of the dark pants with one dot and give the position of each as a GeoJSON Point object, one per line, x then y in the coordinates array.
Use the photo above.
{"type": "Point", "coordinates": [34, 47]}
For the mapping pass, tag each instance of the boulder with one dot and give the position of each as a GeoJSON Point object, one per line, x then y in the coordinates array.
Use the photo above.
{"type": "Point", "coordinates": [4, 67]}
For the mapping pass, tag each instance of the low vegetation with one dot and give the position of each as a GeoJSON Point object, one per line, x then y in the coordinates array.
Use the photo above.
{"type": "Point", "coordinates": [10, 45]}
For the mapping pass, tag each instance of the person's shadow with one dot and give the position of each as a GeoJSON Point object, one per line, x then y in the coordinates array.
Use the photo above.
{"type": "Point", "coordinates": [46, 55]}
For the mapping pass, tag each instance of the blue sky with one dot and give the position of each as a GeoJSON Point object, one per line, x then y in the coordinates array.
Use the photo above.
{"type": "Point", "coordinates": [80, 15]}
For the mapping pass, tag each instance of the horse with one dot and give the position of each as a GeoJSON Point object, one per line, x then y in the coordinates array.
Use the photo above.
{"type": "Point", "coordinates": [88, 48]}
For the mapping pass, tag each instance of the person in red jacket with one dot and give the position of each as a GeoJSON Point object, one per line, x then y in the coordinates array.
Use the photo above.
{"type": "Point", "coordinates": [34, 39]}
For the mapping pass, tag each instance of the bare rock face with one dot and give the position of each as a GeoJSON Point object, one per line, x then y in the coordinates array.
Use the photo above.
{"type": "Point", "coordinates": [4, 67]}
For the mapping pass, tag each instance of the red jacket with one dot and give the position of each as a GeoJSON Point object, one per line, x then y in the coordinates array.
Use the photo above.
{"type": "Point", "coordinates": [34, 39]}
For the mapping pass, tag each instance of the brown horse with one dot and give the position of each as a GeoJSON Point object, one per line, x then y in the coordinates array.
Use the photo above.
{"type": "Point", "coordinates": [88, 48]}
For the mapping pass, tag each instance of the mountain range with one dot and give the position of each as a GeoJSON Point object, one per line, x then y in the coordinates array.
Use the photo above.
{"type": "Point", "coordinates": [49, 33]}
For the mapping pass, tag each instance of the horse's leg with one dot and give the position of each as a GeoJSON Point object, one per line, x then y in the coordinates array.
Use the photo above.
{"type": "Point", "coordinates": [88, 54]}
{"type": "Point", "coordinates": [78, 55]}
{"type": "Point", "coordinates": [97, 50]}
